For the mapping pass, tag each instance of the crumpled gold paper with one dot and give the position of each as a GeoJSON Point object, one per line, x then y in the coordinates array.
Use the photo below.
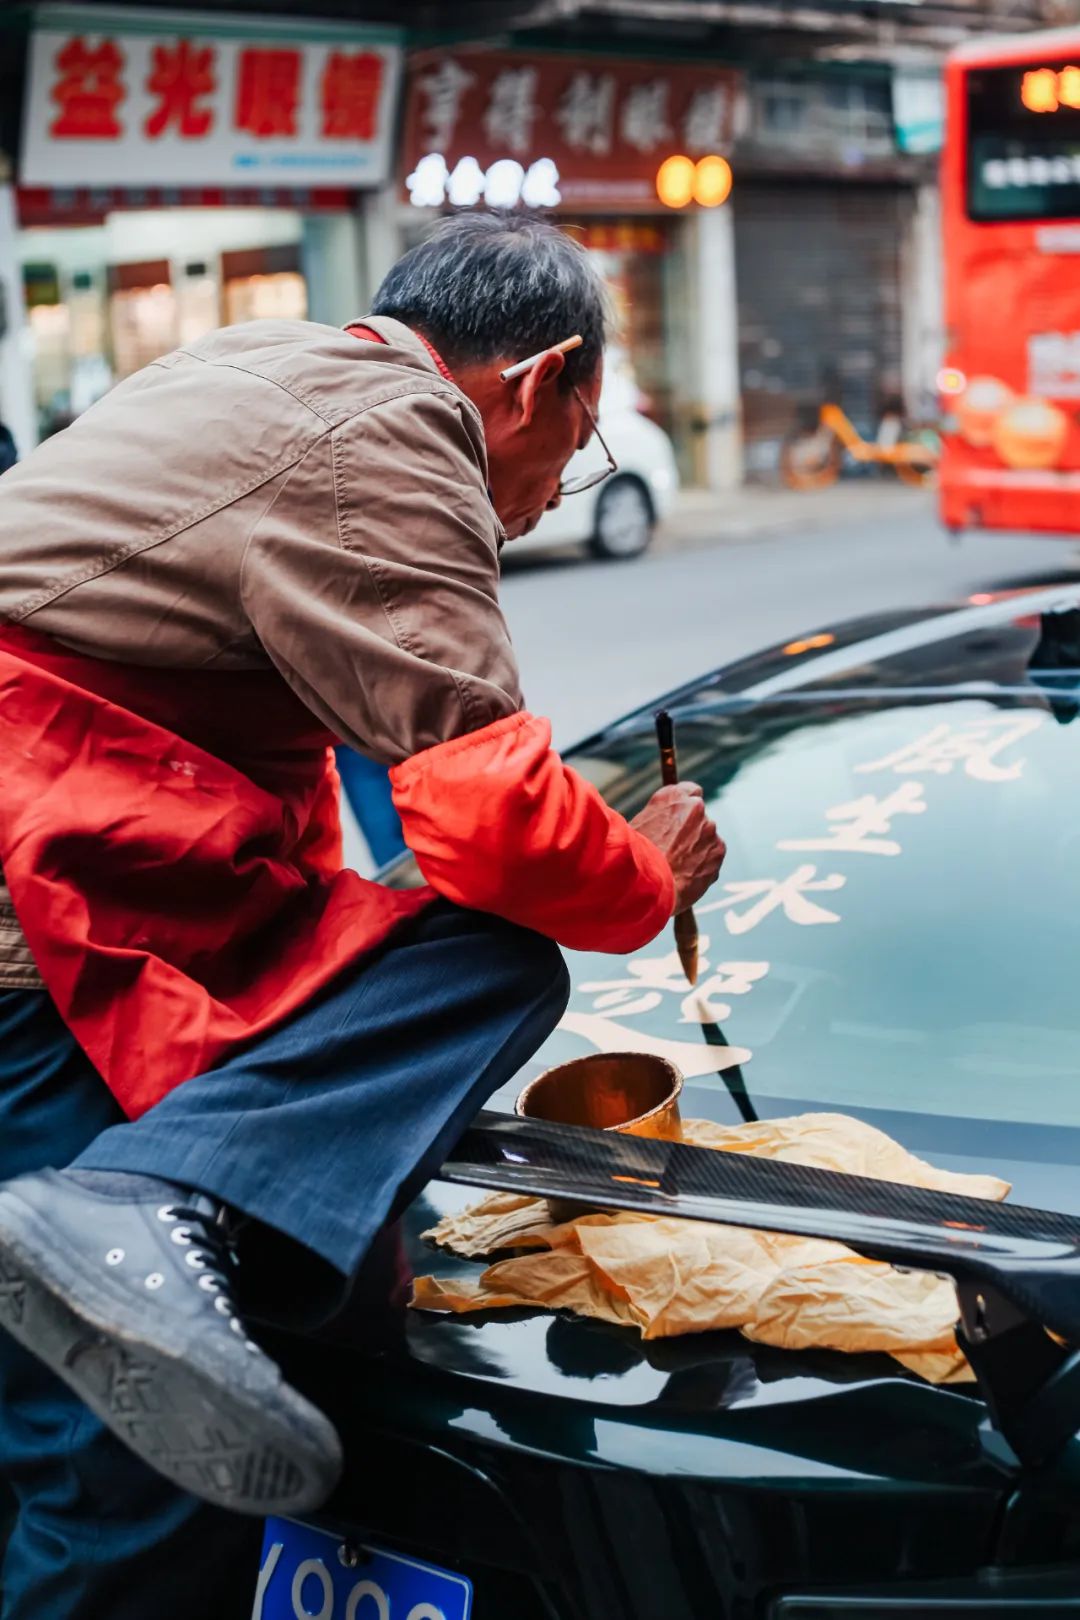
{"type": "Point", "coordinates": [666, 1276]}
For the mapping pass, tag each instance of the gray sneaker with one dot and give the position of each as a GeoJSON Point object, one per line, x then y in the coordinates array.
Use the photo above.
{"type": "Point", "coordinates": [128, 1303]}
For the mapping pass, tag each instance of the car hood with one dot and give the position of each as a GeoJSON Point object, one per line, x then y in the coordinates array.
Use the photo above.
{"type": "Point", "coordinates": [894, 937]}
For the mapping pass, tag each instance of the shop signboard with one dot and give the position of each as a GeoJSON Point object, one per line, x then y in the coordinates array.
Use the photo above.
{"type": "Point", "coordinates": [160, 98]}
{"type": "Point", "coordinates": [577, 132]}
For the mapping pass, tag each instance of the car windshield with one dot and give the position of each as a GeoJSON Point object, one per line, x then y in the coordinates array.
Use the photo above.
{"type": "Point", "coordinates": [896, 931]}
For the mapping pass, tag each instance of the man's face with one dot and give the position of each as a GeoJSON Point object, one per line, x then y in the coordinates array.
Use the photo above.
{"type": "Point", "coordinates": [530, 439]}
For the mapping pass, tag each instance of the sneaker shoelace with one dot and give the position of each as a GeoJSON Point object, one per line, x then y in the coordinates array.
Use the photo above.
{"type": "Point", "coordinates": [210, 1253]}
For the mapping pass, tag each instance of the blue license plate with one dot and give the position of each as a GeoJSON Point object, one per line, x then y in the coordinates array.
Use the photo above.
{"type": "Point", "coordinates": [305, 1576]}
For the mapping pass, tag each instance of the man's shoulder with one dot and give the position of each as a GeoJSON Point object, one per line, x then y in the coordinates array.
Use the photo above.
{"type": "Point", "coordinates": [253, 343]}
{"type": "Point", "coordinates": [329, 369]}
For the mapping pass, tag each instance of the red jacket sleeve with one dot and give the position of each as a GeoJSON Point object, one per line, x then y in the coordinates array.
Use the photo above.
{"type": "Point", "coordinates": [498, 823]}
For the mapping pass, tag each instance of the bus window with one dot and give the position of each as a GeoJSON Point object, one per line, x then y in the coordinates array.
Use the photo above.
{"type": "Point", "coordinates": [1023, 159]}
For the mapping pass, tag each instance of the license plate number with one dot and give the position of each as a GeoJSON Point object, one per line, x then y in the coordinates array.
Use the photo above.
{"type": "Point", "coordinates": [303, 1577]}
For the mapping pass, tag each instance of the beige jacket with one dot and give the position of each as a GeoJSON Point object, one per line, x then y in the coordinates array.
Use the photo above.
{"type": "Point", "coordinates": [277, 493]}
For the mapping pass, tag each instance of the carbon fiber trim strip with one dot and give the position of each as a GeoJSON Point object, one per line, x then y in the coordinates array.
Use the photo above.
{"type": "Point", "coordinates": [1031, 1255]}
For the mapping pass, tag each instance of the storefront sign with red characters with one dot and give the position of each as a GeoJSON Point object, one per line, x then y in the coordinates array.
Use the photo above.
{"type": "Point", "coordinates": [501, 127]}
{"type": "Point", "coordinates": [159, 98]}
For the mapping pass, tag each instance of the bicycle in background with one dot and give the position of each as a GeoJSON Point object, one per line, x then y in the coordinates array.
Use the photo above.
{"type": "Point", "coordinates": [812, 457]}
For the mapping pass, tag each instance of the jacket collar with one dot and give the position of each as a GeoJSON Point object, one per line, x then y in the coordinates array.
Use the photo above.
{"type": "Point", "coordinates": [400, 336]}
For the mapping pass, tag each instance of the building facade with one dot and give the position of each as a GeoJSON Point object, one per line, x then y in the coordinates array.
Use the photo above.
{"type": "Point", "coordinates": [178, 170]}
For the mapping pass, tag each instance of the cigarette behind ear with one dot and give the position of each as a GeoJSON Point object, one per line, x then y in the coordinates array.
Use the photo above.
{"type": "Point", "coordinates": [522, 366]}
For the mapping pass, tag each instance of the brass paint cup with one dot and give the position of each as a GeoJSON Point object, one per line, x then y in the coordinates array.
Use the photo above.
{"type": "Point", "coordinates": [631, 1092]}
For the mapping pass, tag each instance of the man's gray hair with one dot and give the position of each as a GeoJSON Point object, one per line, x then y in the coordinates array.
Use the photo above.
{"type": "Point", "coordinates": [499, 286]}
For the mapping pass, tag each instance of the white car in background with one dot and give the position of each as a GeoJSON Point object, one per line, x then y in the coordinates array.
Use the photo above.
{"type": "Point", "coordinates": [618, 517]}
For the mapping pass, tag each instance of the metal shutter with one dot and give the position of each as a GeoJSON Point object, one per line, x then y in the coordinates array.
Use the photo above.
{"type": "Point", "coordinates": [818, 282]}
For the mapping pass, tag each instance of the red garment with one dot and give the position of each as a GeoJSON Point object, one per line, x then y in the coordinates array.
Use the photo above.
{"type": "Point", "coordinates": [370, 336]}
{"type": "Point", "coordinates": [172, 846]}
{"type": "Point", "coordinates": [498, 822]}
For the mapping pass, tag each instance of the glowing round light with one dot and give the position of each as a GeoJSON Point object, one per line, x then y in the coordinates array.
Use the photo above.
{"type": "Point", "coordinates": [503, 183]}
{"type": "Point", "coordinates": [465, 186]}
{"type": "Point", "coordinates": [541, 185]}
{"type": "Point", "coordinates": [712, 181]}
{"type": "Point", "coordinates": [675, 181]}
{"type": "Point", "coordinates": [427, 183]}
{"type": "Point", "coordinates": [951, 380]}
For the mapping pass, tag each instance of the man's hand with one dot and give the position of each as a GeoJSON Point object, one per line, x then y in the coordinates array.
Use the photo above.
{"type": "Point", "coordinates": [675, 821]}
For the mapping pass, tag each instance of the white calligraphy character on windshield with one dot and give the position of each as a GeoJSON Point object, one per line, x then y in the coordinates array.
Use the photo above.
{"type": "Point", "coordinates": [653, 977]}
{"type": "Point", "coordinates": [975, 746]}
{"type": "Point", "coordinates": [861, 823]}
{"type": "Point", "coordinates": [789, 893]}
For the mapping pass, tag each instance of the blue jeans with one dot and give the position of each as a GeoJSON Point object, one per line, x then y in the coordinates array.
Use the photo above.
{"type": "Point", "coordinates": [318, 1132]}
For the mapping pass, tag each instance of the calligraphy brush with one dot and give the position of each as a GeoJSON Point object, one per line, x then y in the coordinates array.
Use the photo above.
{"type": "Point", "coordinates": [686, 931]}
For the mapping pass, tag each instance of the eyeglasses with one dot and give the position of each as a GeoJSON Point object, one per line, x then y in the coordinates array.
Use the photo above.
{"type": "Point", "coordinates": [574, 486]}
{"type": "Point", "coordinates": [571, 486]}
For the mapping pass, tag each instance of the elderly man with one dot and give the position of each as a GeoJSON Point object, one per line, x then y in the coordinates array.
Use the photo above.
{"type": "Point", "coordinates": [281, 537]}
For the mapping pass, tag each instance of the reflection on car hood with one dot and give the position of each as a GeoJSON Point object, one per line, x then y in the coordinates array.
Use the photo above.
{"type": "Point", "coordinates": [895, 936]}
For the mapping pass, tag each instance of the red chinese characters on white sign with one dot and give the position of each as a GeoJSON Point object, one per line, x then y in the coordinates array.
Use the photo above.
{"type": "Point", "coordinates": [267, 92]}
{"type": "Point", "coordinates": [182, 76]}
{"type": "Point", "coordinates": [89, 91]}
{"type": "Point", "coordinates": [151, 108]}
{"type": "Point", "coordinates": [349, 95]}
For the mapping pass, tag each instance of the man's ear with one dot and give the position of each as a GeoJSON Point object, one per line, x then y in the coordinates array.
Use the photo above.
{"type": "Point", "coordinates": [547, 368]}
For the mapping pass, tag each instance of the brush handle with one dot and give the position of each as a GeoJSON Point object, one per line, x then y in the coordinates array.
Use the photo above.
{"type": "Point", "coordinates": [665, 736]}
{"type": "Point", "coordinates": [686, 931]}
{"type": "Point", "coordinates": [687, 943]}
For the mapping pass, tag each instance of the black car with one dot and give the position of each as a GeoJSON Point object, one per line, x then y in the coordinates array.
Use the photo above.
{"type": "Point", "coordinates": [901, 801]}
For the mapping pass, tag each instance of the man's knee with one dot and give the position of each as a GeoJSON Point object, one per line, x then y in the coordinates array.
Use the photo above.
{"type": "Point", "coordinates": [557, 976]}
{"type": "Point", "coordinates": [515, 962]}
{"type": "Point", "coordinates": [535, 963]}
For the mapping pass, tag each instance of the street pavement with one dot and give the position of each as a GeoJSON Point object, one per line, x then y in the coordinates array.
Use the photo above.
{"type": "Point", "coordinates": [595, 639]}
{"type": "Point", "coordinates": [728, 576]}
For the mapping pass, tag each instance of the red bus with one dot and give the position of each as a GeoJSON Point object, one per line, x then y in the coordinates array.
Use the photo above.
{"type": "Point", "coordinates": [1010, 383]}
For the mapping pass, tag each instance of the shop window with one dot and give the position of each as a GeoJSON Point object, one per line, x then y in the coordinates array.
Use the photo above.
{"type": "Point", "coordinates": [50, 330]}
{"type": "Point", "coordinates": [264, 284]}
{"type": "Point", "coordinates": [824, 117]}
{"type": "Point", "coordinates": [630, 255]}
{"type": "Point", "coordinates": [198, 303]}
{"type": "Point", "coordinates": [41, 285]}
{"type": "Point", "coordinates": [142, 313]}
{"type": "Point", "coordinates": [281, 296]}
{"type": "Point", "coordinates": [68, 328]}
{"type": "Point", "coordinates": [91, 373]}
